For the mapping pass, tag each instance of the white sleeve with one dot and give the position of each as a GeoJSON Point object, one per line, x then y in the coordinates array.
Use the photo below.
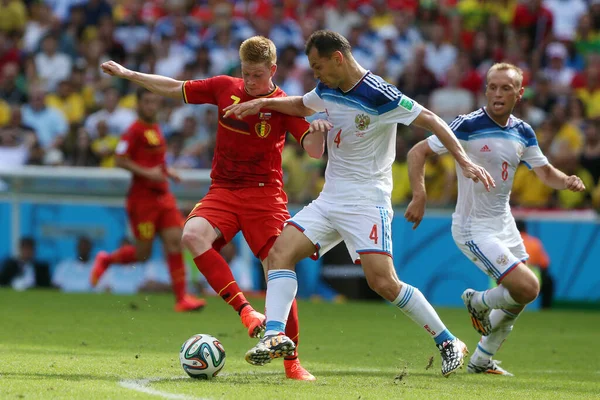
{"type": "Point", "coordinates": [436, 145]}
{"type": "Point", "coordinates": [313, 101]}
{"type": "Point", "coordinates": [533, 157]}
{"type": "Point", "coordinates": [403, 111]}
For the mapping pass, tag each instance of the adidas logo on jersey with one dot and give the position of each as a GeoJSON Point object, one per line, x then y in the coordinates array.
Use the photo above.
{"type": "Point", "coordinates": [485, 149]}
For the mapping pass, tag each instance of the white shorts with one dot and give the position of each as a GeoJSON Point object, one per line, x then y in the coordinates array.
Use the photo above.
{"type": "Point", "coordinates": [364, 229]}
{"type": "Point", "coordinates": [493, 257]}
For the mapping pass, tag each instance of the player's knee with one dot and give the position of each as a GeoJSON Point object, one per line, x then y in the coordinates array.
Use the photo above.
{"type": "Point", "coordinates": [530, 291]}
{"type": "Point", "coordinates": [386, 288]}
{"type": "Point", "coordinates": [142, 253]}
{"type": "Point", "coordinates": [173, 246]}
{"type": "Point", "coordinates": [278, 258]}
{"type": "Point", "coordinates": [195, 239]}
{"type": "Point", "coordinates": [527, 291]}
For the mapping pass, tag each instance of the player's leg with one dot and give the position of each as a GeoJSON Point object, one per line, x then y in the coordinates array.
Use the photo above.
{"type": "Point", "coordinates": [171, 238]}
{"type": "Point", "coordinates": [502, 322]}
{"type": "Point", "coordinates": [381, 277]}
{"type": "Point", "coordinates": [142, 220]}
{"type": "Point", "coordinates": [261, 226]}
{"type": "Point", "coordinates": [505, 310]}
{"type": "Point", "coordinates": [308, 231]}
{"type": "Point", "coordinates": [209, 226]}
{"type": "Point", "coordinates": [289, 248]}
{"type": "Point", "coordinates": [517, 284]}
{"type": "Point", "coordinates": [366, 230]}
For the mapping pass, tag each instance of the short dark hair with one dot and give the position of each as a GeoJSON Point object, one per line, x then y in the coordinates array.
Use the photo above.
{"type": "Point", "coordinates": [328, 42]}
{"type": "Point", "coordinates": [521, 225]}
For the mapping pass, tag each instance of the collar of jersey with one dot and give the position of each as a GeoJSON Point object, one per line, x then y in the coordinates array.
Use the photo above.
{"type": "Point", "coordinates": [492, 119]}
{"type": "Point", "coordinates": [356, 84]}
{"type": "Point", "coordinates": [263, 95]}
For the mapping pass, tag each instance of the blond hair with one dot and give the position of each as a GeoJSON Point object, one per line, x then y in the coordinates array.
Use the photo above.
{"type": "Point", "coordinates": [507, 67]}
{"type": "Point", "coordinates": [258, 50]}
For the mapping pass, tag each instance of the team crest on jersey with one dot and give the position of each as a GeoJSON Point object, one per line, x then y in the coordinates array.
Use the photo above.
{"type": "Point", "coordinates": [362, 122]}
{"type": "Point", "coordinates": [502, 259]}
{"type": "Point", "coordinates": [262, 129]}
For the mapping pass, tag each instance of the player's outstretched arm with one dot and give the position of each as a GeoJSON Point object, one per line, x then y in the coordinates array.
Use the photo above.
{"type": "Point", "coordinates": [158, 84]}
{"type": "Point", "coordinates": [558, 180]}
{"type": "Point", "coordinates": [416, 174]}
{"type": "Point", "coordinates": [430, 121]}
{"type": "Point", "coordinates": [291, 105]}
{"type": "Point", "coordinates": [314, 141]}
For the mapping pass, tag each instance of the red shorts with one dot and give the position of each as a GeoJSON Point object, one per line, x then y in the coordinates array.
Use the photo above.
{"type": "Point", "coordinates": [259, 212]}
{"type": "Point", "coordinates": [148, 217]}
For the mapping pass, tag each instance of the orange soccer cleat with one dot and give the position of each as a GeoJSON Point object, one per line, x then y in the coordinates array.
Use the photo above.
{"type": "Point", "coordinates": [101, 264]}
{"type": "Point", "coordinates": [253, 320]}
{"type": "Point", "coordinates": [293, 370]}
{"type": "Point", "coordinates": [189, 303]}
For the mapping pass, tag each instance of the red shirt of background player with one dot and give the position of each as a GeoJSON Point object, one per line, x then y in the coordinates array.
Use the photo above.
{"type": "Point", "coordinates": [151, 207]}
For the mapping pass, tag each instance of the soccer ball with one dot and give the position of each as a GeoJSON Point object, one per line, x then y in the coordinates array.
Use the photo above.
{"type": "Point", "coordinates": [202, 356]}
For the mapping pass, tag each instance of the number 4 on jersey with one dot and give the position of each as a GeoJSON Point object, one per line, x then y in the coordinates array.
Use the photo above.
{"type": "Point", "coordinates": [373, 236]}
{"type": "Point", "coordinates": [338, 138]}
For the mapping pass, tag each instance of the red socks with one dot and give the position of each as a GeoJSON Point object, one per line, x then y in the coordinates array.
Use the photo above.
{"type": "Point", "coordinates": [123, 255]}
{"type": "Point", "coordinates": [177, 271]}
{"type": "Point", "coordinates": [292, 328]}
{"type": "Point", "coordinates": [218, 275]}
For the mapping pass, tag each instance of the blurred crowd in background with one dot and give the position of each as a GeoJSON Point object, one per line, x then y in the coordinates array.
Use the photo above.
{"type": "Point", "coordinates": [58, 108]}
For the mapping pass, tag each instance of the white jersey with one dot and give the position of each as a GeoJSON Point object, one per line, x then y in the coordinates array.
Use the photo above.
{"type": "Point", "coordinates": [499, 149]}
{"type": "Point", "coordinates": [362, 144]}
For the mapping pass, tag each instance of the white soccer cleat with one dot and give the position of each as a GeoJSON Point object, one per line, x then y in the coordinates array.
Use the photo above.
{"type": "Point", "coordinates": [453, 355]}
{"type": "Point", "coordinates": [270, 347]}
{"type": "Point", "coordinates": [491, 368]}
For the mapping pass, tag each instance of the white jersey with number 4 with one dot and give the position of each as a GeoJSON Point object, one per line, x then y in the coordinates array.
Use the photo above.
{"type": "Point", "coordinates": [361, 146]}
{"type": "Point", "coordinates": [499, 149]}
{"type": "Point", "coordinates": [355, 204]}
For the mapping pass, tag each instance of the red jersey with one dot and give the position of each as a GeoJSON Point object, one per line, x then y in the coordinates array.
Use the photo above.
{"type": "Point", "coordinates": [247, 152]}
{"type": "Point", "coordinates": [145, 145]}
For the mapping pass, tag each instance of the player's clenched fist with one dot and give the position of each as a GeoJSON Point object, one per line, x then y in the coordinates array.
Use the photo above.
{"type": "Point", "coordinates": [114, 69]}
{"type": "Point", "coordinates": [574, 184]}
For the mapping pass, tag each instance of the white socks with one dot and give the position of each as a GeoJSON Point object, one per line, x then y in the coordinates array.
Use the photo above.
{"type": "Point", "coordinates": [494, 298]}
{"type": "Point", "coordinates": [502, 324]}
{"type": "Point", "coordinates": [282, 286]}
{"type": "Point", "coordinates": [412, 303]}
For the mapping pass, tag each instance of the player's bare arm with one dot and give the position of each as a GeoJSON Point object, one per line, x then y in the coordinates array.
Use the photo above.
{"type": "Point", "coordinates": [173, 174]}
{"type": "Point", "coordinates": [156, 174]}
{"type": "Point", "coordinates": [430, 121]}
{"type": "Point", "coordinates": [558, 180]}
{"type": "Point", "coordinates": [291, 105]}
{"type": "Point", "coordinates": [416, 174]}
{"type": "Point", "coordinates": [158, 84]}
{"type": "Point", "coordinates": [314, 141]}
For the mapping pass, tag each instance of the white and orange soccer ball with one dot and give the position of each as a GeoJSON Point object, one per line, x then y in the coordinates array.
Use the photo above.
{"type": "Point", "coordinates": [202, 356]}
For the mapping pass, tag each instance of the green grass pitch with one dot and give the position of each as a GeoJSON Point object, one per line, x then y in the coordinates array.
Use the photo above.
{"type": "Point", "coordinates": [57, 346]}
